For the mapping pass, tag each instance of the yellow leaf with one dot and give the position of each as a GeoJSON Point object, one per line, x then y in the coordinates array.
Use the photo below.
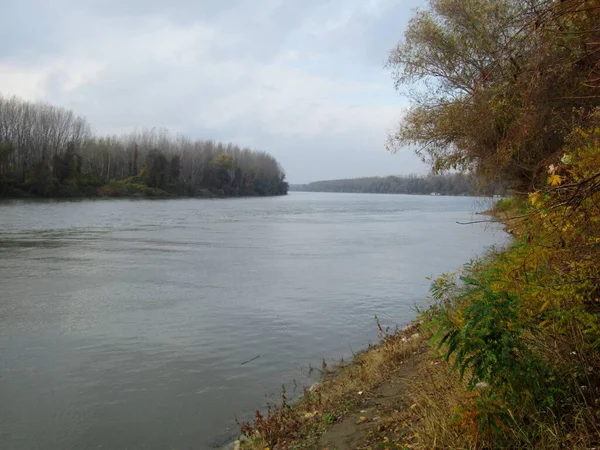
{"type": "Point", "coordinates": [582, 133]}
{"type": "Point", "coordinates": [545, 306]}
{"type": "Point", "coordinates": [554, 180]}
{"type": "Point", "coordinates": [535, 199]}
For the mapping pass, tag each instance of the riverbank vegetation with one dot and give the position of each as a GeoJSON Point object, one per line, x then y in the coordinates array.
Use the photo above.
{"type": "Point", "coordinates": [48, 151]}
{"type": "Point", "coordinates": [442, 184]}
{"type": "Point", "coordinates": [510, 90]}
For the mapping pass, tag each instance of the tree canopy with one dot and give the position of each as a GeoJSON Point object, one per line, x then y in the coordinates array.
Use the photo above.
{"type": "Point", "coordinates": [495, 85]}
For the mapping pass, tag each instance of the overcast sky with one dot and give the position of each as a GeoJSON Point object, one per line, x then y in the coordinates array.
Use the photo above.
{"type": "Point", "coordinates": [300, 79]}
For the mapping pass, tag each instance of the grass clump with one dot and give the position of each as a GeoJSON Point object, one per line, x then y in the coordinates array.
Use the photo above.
{"type": "Point", "coordinates": [504, 205]}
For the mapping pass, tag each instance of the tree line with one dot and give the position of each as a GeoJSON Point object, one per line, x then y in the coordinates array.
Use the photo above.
{"type": "Point", "coordinates": [445, 184]}
{"type": "Point", "coordinates": [48, 151]}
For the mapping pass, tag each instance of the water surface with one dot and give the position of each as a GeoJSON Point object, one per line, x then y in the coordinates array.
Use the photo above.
{"type": "Point", "coordinates": [123, 324]}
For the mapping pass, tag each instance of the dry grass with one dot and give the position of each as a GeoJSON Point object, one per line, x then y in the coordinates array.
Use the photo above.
{"type": "Point", "coordinates": [437, 395]}
{"type": "Point", "coordinates": [446, 415]}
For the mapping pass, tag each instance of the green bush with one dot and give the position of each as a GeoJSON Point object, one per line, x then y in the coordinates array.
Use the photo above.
{"type": "Point", "coordinates": [485, 337]}
{"type": "Point", "coordinates": [124, 189]}
{"type": "Point", "coordinates": [504, 205]}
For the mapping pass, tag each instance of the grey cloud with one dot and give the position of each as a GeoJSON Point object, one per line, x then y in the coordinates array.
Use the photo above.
{"type": "Point", "coordinates": [301, 79]}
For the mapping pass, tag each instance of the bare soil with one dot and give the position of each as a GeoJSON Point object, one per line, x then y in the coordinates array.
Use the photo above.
{"type": "Point", "coordinates": [366, 426]}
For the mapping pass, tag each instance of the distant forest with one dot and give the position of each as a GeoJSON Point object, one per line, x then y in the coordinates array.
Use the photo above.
{"type": "Point", "coordinates": [47, 151]}
{"type": "Point", "coordinates": [447, 184]}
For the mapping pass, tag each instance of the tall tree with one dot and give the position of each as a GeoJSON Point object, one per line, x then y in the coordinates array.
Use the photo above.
{"type": "Point", "coordinates": [496, 84]}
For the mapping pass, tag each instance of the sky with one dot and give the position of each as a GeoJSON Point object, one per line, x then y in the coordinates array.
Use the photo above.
{"type": "Point", "coordinates": [301, 79]}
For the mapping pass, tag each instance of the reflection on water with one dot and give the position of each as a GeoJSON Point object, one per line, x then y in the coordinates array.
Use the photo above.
{"type": "Point", "coordinates": [123, 324]}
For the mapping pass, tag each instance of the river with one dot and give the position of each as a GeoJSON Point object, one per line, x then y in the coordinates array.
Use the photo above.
{"type": "Point", "coordinates": [124, 324]}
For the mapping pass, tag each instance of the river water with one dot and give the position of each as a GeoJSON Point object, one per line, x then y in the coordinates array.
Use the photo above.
{"type": "Point", "coordinates": [124, 324]}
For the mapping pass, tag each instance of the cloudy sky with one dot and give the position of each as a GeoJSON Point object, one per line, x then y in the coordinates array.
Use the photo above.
{"type": "Point", "coordinates": [301, 79]}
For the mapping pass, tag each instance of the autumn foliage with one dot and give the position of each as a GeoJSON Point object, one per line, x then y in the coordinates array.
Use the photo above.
{"type": "Point", "coordinates": [496, 86]}
{"type": "Point", "coordinates": [511, 90]}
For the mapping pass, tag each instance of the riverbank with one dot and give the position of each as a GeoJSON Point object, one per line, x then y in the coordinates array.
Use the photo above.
{"type": "Point", "coordinates": [397, 394]}
{"type": "Point", "coordinates": [357, 405]}
{"type": "Point", "coordinates": [505, 357]}
{"type": "Point", "coordinates": [125, 189]}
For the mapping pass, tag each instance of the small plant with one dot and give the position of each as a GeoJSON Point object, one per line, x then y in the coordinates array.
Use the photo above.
{"type": "Point", "coordinates": [276, 425]}
{"type": "Point", "coordinates": [328, 418]}
{"type": "Point", "coordinates": [504, 205]}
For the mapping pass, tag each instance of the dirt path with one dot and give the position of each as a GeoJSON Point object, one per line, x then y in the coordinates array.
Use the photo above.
{"type": "Point", "coordinates": [366, 424]}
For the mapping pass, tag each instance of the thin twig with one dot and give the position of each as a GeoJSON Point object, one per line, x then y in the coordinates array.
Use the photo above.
{"type": "Point", "coordinates": [493, 220]}
{"type": "Point", "coordinates": [250, 360]}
